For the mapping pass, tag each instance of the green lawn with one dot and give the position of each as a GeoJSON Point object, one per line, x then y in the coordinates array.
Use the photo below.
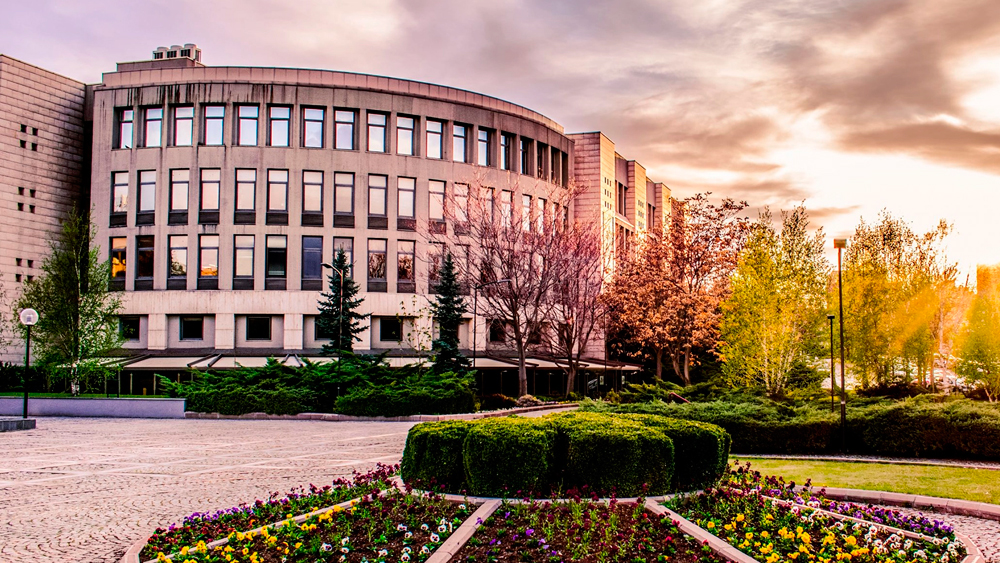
{"type": "Point", "coordinates": [950, 482]}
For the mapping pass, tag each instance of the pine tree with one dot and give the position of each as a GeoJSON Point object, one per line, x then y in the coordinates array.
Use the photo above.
{"type": "Point", "coordinates": [343, 324]}
{"type": "Point", "coordinates": [448, 308]}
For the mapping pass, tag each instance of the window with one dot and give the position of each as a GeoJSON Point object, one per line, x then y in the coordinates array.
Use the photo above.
{"type": "Point", "coordinates": [404, 135]}
{"type": "Point", "coordinates": [377, 194]}
{"type": "Point", "coordinates": [526, 212]}
{"type": "Point", "coordinates": [178, 256]}
{"type": "Point", "coordinates": [126, 119]}
{"type": "Point", "coordinates": [540, 215]}
{"type": "Point", "coordinates": [210, 181]}
{"type": "Point", "coordinates": [498, 331]}
{"type": "Point", "coordinates": [506, 200]}
{"type": "Point", "coordinates": [345, 129]}
{"type": "Point", "coordinates": [376, 132]}
{"type": "Point", "coordinates": [276, 257]}
{"type": "Point", "coordinates": [119, 192]}
{"type": "Point", "coordinates": [404, 260]}
{"type": "Point", "coordinates": [406, 189]}
{"type": "Point", "coordinates": [246, 127]}
{"type": "Point", "coordinates": [345, 245]}
{"type": "Point", "coordinates": [434, 141]}
{"type": "Point", "coordinates": [183, 126]}
{"type": "Point", "coordinates": [246, 189]}
{"type": "Point", "coordinates": [243, 253]}
{"type": "Point", "coordinates": [524, 152]}
{"type": "Point", "coordinates": [506, 142]}
{"type": "Point", "coordinates": [154, 127]}
{"type": "Point", "coordinates": [279, 126]}
{"type": "Point", "coordinates": [208, 256]}
{"type": "Point", "coordinates": [540, 160]}
{"type": "Point", "coordinates": [192, 328]}
{"type": "Point", "coordinates": [144, 257]}
{"type": "Point", "coordinates": [128, 328]}
{"type": "Point", "coordinates": [376, 259]}
{"type": "Point", "coordinates": [462, 203]}
{"type": "Point", "coordinates": [179, 182]}
{"type": "Point", "coordinates": [435, 258]}
{"type": "Point", "coordinates": [460, 134]}
{"type": "Point", "coordinates": [119, 246]}
{"type": "Point", "coordinates": [147, 191]}
{"type": "Point", "coordinates": [390, 329]}
{"type": "Point", "coordinates": [277, 190]}
{"type": "Point", "coordinates": [214, 119]}
{"type": "Point", "coordinates": [483, 152]}
{"type": "Point", "coordinates": [258, 328]}
{"type": "Point", "coordinates": [343, 191]}
{"type": "Point", "coordinates": [312, 258]}
{"type": "Point", "coordinates": [312, 127]}
{"type": "Point", "coordinates": [312, 192]}
{"type": "Point", "coordinates": [436, 205]}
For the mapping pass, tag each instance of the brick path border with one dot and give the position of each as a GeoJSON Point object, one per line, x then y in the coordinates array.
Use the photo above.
{"type": "Point", "coordinates": [333, 417]}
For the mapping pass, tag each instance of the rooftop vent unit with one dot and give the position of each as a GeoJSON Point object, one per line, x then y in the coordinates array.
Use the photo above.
{"type": "Point", "coordinates": [187, 51]}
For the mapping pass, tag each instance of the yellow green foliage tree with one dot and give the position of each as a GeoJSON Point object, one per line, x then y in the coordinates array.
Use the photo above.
{"type": "Point", "coordinates": [978, 348]}
{"type": "Point", "coordinates": [777, 304]}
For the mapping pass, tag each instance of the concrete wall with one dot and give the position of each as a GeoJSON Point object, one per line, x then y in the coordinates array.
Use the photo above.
{"type": "Point", "coordinates": [111, 408]}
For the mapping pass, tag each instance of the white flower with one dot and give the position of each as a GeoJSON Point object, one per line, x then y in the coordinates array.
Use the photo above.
{"type": "Point", "coordinates": [425, 550]}
{"type": "Point", "coordinates": [408, 535]}
{"type": "Point", "coordinates": [920, 553]}
{"type": "Point", "coordinates": [425, 527]}
{"type": "Point", "coordinates": [342, 558]}
{"type": "Point", "coordinates": [326, 547]}
{"type": "Point", "coordinates": [400, 528]}
{"type": "Point", "coordinates": [345, 541]}
{"type": "Point", "coordinates": [383, 552]}
{"type": "Point", "coordinates": [442, 528]}
{"type": "Point", "coordinates": [944, 559]}
{"type": "Point", "coordinates": [404, 557]}
{"type": "Point", "coordinates": [461, 507]}
{"type": "Point", "coordinates": [345, 549]}
{"type": "Point", "coordinates": [435, 538]}
{"type": "Point", "coordinates": [406, 549]}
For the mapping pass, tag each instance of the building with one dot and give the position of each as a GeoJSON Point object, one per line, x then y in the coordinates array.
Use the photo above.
{"type": "Point", "coordinates": [219, 193]}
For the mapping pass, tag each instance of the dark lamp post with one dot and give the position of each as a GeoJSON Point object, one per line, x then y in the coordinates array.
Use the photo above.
{"type": "Point", "coordinates": [28, 318]}
{"type": "Point", "coordinates": [833, 377]}
{"type": "Point", "coordinates": [840, 244]}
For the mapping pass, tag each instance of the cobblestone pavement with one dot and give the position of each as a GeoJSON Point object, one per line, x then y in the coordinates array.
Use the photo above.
{"type": "Point", "coordinates": [984, 533]}
{"type": "Point", "coordinates": [83, 490]}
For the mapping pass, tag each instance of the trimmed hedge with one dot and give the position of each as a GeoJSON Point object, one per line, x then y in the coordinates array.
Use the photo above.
{"type": "Point", "coordinates": [509, 455]}
{"type": "Point", "coordinates": [502, 456]}
{"type": "Point", "coordinates": [914, 427]}
{"type": "Point", "coordinates": [433, 455]}
{"type": "Point", "coordinates": [235, 401]}
{"type": "Point", "coordinates": [371, 400]}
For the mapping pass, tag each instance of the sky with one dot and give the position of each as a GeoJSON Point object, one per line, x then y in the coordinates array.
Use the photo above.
{"type": "Point", "coordinates": [851, 107]}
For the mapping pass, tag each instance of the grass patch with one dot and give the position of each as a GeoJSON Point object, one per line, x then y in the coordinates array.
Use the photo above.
{"type": "Point", "coordinates": [981, 485]}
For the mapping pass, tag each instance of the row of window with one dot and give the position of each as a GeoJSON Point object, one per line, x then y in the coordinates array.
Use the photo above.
{"type": "Point", "coordinates": [206, 261]}
{"type": "Point", "coordinates": [256, 328]}
{"type": "Point", "coordinates": [521, 154]}
{"type": "Point", "coordinates": [312, 185]}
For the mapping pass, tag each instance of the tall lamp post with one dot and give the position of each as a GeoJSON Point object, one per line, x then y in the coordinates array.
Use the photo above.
{"type": "Point", "coordinates": [833, 377]}
{"type": "Point", "coordinates": [840, 244]}
{"type": "Point", "coordinates": [28, 318]}
{"type": "Point", "coordinates": [475, 308]}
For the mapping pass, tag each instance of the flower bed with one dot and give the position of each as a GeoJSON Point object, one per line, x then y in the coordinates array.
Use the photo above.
{"type": "Point", "coordinates": [578, 530]}
{"type": "Point", "coordinates": [210, 526]}
{"type": "Point", "coordinates": [744, 478]}
{"type": "Point", "coordinates": [740, 512]}
{"type": "Point", "coordinates": [380, 528]}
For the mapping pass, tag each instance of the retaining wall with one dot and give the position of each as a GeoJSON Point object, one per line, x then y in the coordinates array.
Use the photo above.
{"type": "Point", "coordinates": [94, 407]}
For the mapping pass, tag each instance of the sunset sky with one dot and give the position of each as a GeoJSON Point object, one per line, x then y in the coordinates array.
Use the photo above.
{"type": "Point", "coordinates": [852, 106]}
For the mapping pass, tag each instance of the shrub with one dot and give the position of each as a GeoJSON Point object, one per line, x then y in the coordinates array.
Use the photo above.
{"type": "Point", "coordinates": [236, 401]}
{"type": "Point", "coordinates": [702, 449]}
{"type": "Point", "coordinates": [370, 400]}
{"type": "Point", "coordinates": [507, 455]}
{"type": "Point", "coordinates": [433, 455]}
{"type": "Point", "coordinates": [528, 401]}
{"type": "Point", "coordinates": [614, 454]}
{"type": "Point", "coordinates": [496, 402]}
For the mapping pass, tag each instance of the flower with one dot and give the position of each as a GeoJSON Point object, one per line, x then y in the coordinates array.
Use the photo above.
{"type": "Point", "coordinates": [326, 547]}
{"type": "Point", "coordinates": [435, 538]}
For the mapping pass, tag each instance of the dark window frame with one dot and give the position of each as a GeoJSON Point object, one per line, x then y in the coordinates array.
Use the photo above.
{"type": "Point", "coordinates": [182, 322]}
{"type": "Point", "coordinates": [254, 319]}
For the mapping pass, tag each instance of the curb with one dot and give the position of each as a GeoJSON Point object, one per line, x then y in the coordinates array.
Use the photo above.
{"type": "Point", "coordinates": [975, 509]}
{"type": "Point", "coordinates": [457, 540]}
{"type": "Point", "coordinates": [719, 546]}
{"type": "Point", "coordinates": [332, 417]}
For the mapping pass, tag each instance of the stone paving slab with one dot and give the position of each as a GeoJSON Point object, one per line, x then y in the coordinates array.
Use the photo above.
{"type": "Point", "coordinates": [84, 490]}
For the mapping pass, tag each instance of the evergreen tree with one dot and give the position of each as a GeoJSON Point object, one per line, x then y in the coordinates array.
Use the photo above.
{"type": "Point", "coordinates": [338, 314]}
{"type": "Point", "coordinates": [448, 308]}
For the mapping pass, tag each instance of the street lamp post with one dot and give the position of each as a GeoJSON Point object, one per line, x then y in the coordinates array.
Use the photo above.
{"type": "Point", "coordinates": [833, 377]}
{"type": "Point", "coordinates": [840, 244]}
{"type": "Point", "coordinates": [28, 318]}
{"type": "Point", "coordinates": [475, 308]}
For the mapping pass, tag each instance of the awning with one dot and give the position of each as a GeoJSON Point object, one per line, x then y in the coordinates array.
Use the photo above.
{"type": "Point", "coordinates": [494, 363]}
{"type": "Point", "coordinates": [164, 362]}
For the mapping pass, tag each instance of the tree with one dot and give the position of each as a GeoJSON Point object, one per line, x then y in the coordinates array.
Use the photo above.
{"type": "Point", "coordinates": [448, 308]}
{"type": "Point", "coordinates": [338, 309]}
{"type": "Point", "coordinates": [579, 307]}
{"type": "Point", "coordinates": [777, 304]}
{"type": "Point", "coordinates": [979, 351]}
{"type": "Point", "coordinates": [77, 315]}
{"type": "Point", "coordinates": [667, 293]}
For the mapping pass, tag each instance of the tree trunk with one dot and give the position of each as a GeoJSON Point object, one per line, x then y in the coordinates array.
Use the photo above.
{"type": "Point", "coordinates": [687, 366]}
{"type": "Point", "coordinates": [522, 374]}
{"type": "Point", "coordinates": [675, 359]}
{"type": "Point", "coordinates": [659, 364]}
{"type": "Point", "coordinates": [570, 378]}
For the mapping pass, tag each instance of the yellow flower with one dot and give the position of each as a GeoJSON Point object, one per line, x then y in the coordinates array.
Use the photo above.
{"type": "Point", "coordinates": [749, 535]}
{"type": "Point", "coordinates": [765, 535]}
{"type": "Point", "coordinates": [710, 525]}
{"type": "Point", "coordinates": [740, 518]}
{"type": "Point", "coordinates": [851, 541]}
{"type": "Point", "coordinates": [184, 551]}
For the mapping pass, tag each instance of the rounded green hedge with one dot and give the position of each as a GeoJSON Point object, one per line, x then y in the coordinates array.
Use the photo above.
{"type": "Point", "coordinates": [622, 453]}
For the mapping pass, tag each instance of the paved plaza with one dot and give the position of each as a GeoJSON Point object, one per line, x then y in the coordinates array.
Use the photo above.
{"type": "Point", "coordinates": [83, 490]}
